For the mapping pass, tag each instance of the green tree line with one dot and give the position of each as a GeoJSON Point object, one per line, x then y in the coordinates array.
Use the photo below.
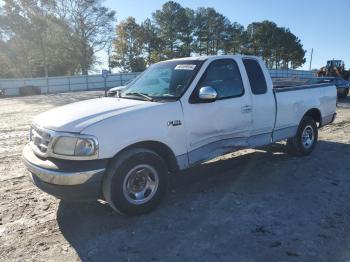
{"type": "Point", "coordinates": [63, 37]}
{"type": "Point", "coordinates": [175, 31]}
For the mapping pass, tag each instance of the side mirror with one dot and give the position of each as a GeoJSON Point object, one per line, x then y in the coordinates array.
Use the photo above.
{"type": "Point", "coordinates": [115, 90]}
{"type": "Point", "coordinates": [207, 93]}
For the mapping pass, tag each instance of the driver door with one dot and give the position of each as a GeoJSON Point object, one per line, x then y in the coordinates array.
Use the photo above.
{"type": "Point", "coordinates": [221, 126]}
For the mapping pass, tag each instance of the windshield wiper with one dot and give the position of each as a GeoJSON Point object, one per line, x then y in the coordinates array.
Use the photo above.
{"type": "Point", "coordinates": [148, 98]}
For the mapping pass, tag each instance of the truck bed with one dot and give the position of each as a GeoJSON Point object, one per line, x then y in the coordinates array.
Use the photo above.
{"type": "Point", "coordinates": [288, 82]}
{"type": "Point", "coordinates": [292, 101]}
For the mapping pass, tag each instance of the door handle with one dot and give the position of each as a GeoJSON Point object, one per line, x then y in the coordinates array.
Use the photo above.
{"type": "Point", "coordinates": [246, 109]}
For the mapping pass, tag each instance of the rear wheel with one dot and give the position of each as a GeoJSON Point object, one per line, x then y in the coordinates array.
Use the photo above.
{"type": "Point", "coordinates": [135, 181]}
{"type": "Point", "coordinates": [345, 93]}
{"type": "Point", "coordinates": [305, 139]}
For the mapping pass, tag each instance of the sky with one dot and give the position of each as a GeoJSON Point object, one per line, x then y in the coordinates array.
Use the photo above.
{"type": "Point", "coordinates": [321, 25]}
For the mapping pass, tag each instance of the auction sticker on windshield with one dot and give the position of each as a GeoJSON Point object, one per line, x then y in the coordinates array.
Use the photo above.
{"type": "Point", "coordinates": [185, 67]}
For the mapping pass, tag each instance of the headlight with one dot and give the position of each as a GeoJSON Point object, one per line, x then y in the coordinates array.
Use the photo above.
{"type": "Point", "coordinates": [84, 147]}
{"type": "Point", "coordinates": [75, 146]}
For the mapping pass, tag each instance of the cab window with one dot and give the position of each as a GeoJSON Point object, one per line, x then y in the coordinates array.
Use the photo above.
{"type": "Point", "coordinates": [223, 75]}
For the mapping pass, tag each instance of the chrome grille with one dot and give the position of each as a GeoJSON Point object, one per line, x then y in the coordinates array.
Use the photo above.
{"type": "Point", "coordinates": [40, 139]}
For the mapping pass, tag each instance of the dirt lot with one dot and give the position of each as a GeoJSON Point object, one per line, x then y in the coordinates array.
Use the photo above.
{"type": "Point", "coordinates": [260, 205]}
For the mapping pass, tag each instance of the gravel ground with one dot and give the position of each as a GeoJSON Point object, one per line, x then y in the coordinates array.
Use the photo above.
{"type": "Point", "coordinates": [251, 205]}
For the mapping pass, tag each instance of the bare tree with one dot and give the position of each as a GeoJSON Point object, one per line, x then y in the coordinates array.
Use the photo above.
{"type": "Point", "coordinates": [92, 25]}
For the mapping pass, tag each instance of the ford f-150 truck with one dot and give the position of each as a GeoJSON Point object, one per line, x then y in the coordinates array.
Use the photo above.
{"type": "Point", "coordinates": [176, 114]}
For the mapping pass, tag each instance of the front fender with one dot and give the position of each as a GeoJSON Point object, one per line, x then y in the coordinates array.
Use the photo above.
{"type": "Point", "coordinates": [144, 124]}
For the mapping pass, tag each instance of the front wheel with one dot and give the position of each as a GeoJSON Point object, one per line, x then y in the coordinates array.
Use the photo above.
{"type": "Point", "coordinates": [135, 181]}
{"type": "Point", "coordinates": [305, 139]}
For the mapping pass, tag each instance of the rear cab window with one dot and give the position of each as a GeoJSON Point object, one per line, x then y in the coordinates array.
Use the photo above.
{"type": "Point", "coordinates": [256, 76]}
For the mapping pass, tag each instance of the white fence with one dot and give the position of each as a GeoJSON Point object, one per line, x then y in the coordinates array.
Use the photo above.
{"type": "Point", "coordinates": [66, 84]}
{"type": "Point", "coordinates": [290, 73]}
{"type": "Point", "coordinates": [94, 82]}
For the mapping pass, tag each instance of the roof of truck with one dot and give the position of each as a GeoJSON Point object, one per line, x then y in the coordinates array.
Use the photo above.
{"type": "Point", "coordinates": [203, 58]}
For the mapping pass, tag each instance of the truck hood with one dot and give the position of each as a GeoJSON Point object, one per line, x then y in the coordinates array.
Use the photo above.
{"type": "Point", "coordinates": [77, 116]}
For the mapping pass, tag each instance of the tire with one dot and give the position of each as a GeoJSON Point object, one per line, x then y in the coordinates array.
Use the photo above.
{"type": "Point", "coordinates": [344, 94]}
{"type": "Point", "coordinates": [300, 145]}
{"type": "Point", "coordinates": [135, 181]}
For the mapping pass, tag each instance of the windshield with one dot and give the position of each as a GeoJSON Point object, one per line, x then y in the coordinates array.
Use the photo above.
{"type": "Point", "coordinates": [336, 63]}
{"type": "Point", "coordinates": [165, 80]}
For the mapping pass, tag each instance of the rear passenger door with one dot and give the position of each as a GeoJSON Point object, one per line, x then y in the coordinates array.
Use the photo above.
{"type": "Point", "coordinates": [263, 102]}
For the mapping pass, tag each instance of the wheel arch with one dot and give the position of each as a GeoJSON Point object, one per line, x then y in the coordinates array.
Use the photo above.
{"type": "Point", "coordinates": [160, 148]}
{"type": "Point", "coordinates": [315, 114]}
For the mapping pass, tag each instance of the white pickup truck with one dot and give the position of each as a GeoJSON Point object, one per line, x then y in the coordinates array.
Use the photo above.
{"type": "Point", "coordinates": [176, 114]}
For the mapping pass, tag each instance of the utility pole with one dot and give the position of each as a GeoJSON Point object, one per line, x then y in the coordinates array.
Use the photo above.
{"type": "Point", "coordinates": [105, 75]}
{"type": "Point", "coordinates": [312, 51]}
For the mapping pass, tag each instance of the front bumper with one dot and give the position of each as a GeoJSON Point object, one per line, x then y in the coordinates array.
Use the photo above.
{"type": "Point", "coordinates": [66, 179]}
